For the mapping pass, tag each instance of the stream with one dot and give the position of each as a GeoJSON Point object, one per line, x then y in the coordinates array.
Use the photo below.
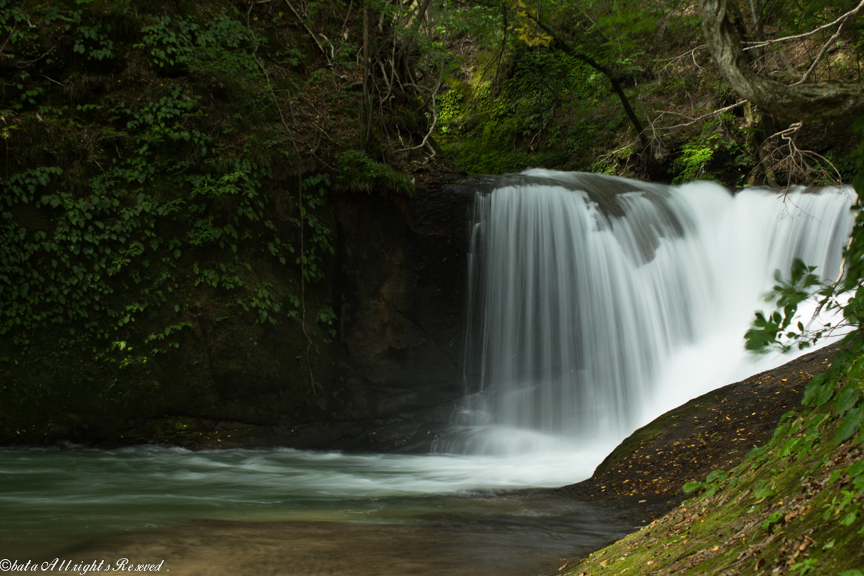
{"type": "Point", "coordinates": [595, 305]}
{"type": "Point", "coordinates": [257, 511]}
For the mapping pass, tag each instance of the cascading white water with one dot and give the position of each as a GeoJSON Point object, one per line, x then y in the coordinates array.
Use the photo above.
{"type": "Point", "coordinates": [597, 303]}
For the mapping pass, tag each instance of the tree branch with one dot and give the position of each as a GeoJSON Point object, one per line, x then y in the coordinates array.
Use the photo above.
{"type": "Point", "coordinates": [616, 86]}
{"type": "Point", "coordinates": [847, 18]}
{"type": "Point", "coordinates": [842, 19]}
{"type": "Point", "coordinates": [799, 101]}
{"type": "Point", "coordinates": [695, 120]}
{"type": "Point", "coordinates": [312, 34]}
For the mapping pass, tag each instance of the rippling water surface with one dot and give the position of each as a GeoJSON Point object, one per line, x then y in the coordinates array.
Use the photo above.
{"type": "Point", "coordinates": [435, 512]}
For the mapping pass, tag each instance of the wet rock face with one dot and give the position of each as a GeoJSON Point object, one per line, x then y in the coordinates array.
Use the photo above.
{"type": "Point", "coordinates": [392, 376]}
{"type": "Point", "coordinates": [388, 381]}
{"type": "Point", "coordinates": [400, 286]}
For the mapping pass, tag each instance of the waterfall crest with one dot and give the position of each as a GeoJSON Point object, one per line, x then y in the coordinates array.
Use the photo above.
{"type": "Point", "coordinates": [596, 301]}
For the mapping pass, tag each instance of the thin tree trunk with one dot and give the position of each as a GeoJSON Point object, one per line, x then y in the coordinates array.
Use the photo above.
{"type": "Point", "coordinates": [616, 86]}
{"type": "Point", "coordinates": [366, 106]}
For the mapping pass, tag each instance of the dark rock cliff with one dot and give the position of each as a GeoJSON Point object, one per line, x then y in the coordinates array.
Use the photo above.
{"type": "Point", "coordinates": [387, 381]}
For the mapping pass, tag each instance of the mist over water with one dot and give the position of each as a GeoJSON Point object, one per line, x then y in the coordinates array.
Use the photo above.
{"type": "Point", "coordinates": [55, 498]}
{"type": "Point", "coordinates": [598, 303]}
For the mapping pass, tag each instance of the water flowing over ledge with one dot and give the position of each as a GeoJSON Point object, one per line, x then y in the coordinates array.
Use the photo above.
{"type": "Point", "coordinates": [597, 303]}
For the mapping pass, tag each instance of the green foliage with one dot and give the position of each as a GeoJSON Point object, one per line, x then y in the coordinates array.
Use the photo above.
{"type": "Point", "coordinates": [122, 208]}
{"type": "Point", "coordinates": [770, 332]}
{"type": "Point", "coordinates": [450, 110]}
{"type": "Point", "coordinates": [804, 450]}
{"type": "Point", "coordinates": [215, 46]}
{"type": "Point", "coordinates": [521, 125]}
{"type": "Point", "coordinates": [833, 400]}
{"type": "Point", "coordinates": [93, 41]}
{"type": "Point", "coordinates": [846, 295]}
{"type": "Point", "coordinates": [359, 173]}
{"type": "Point", "coordinates": [844, 382]}
{"type": "Point", "coordinates": [326, 317]}
{"type": "Point", "coordinates": [713, 482]}
{"type": "Point", "coordinates": [720, 152]}
{"type": "Point", "coordinates": [315, 189]}
{"type": "Point", "coordinates": [692, 162]}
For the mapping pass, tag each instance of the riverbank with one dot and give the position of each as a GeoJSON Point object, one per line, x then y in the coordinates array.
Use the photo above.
{"type": "Point", "coordinates": [471, 530]}
{"type": "Point", "coordinates": [790, 504]}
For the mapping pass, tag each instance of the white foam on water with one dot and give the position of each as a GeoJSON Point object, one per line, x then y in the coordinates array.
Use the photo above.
{"type": "Point", "coordinates": [589, 316]}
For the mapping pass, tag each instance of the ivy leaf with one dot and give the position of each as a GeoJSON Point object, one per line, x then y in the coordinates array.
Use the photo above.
{"type": "Point", "coordinates": [693, 486]}
{"type": "Point", "coordinates": [814, 391]}
{"type": "Point", "coordinates": [856, 469]}
{"type": "Point", "coordinates": [718, 475]}
{"type": "Point", "coordinates": [847, 399]}
{"type": "Point", "coordinates": [849, 519]}
{"type": "Point", "coordinates": [850, 424]}
{"type": "Point", "coordinates": [763, 493]}
{"type": "Point", "coordinates": [825, 393]}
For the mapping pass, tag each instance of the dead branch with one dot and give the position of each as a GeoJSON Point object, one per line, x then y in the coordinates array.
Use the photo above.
{"type": "Point", "coordinates": [12, 33]}
{"type": "Point", "coordinates": [311, 34]}
{"type": "Point", "coordinates": [854, 13]}
{"type": "Point", "coordinates": [847, 18]}
{"type": "Point", "coordinates": [434, 109]}
{"type": "Point", "coordinates": [690, 53]}
{"type": "Point", "coordinates": [695, 120]}
{"type": "Point", "coordinates": [801, 101]}
{"type": "Point", "coordinates": [794, 161]}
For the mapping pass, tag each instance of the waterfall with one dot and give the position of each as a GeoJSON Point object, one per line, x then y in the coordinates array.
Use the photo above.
{"type": "Point", "coordinates": [596, 303]}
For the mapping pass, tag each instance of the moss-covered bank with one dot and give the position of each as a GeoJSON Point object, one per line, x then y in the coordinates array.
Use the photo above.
{"type": "Point", "coordinates": [792, 506]}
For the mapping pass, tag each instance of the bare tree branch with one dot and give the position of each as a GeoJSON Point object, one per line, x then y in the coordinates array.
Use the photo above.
{"type": "Point", "coordinates": [847, 18]}
{"type": "Point", "coordinates": [312, 34]}
{"type": "Point", "coordinates": [695, 120]}
{"type": "Point", "coordinates": [791, 159]}
{"type": "Point", "coordinates": [841, 20]}
{"type": "Point", "coordinates": [799, 102]}
{"type": "Point", "coordinates": [432, 95]}
{"type": "Point", "coordinates": [616, 86]}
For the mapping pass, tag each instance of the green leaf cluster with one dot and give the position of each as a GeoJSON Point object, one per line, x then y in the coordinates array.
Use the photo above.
{"type": "Point", "coordinates": [130, 187]}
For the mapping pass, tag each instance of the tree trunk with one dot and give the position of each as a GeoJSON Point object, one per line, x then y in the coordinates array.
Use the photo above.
{"type": "Point", "coordinates": [616, 86]}
{"type": "Point", "coordinates": [366, 105]}
{"type": "Point", "coordinates": [796, 102]}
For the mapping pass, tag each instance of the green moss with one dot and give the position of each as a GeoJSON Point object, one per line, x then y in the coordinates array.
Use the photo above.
{"type": "Point", "coordinates": [791, 507]}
